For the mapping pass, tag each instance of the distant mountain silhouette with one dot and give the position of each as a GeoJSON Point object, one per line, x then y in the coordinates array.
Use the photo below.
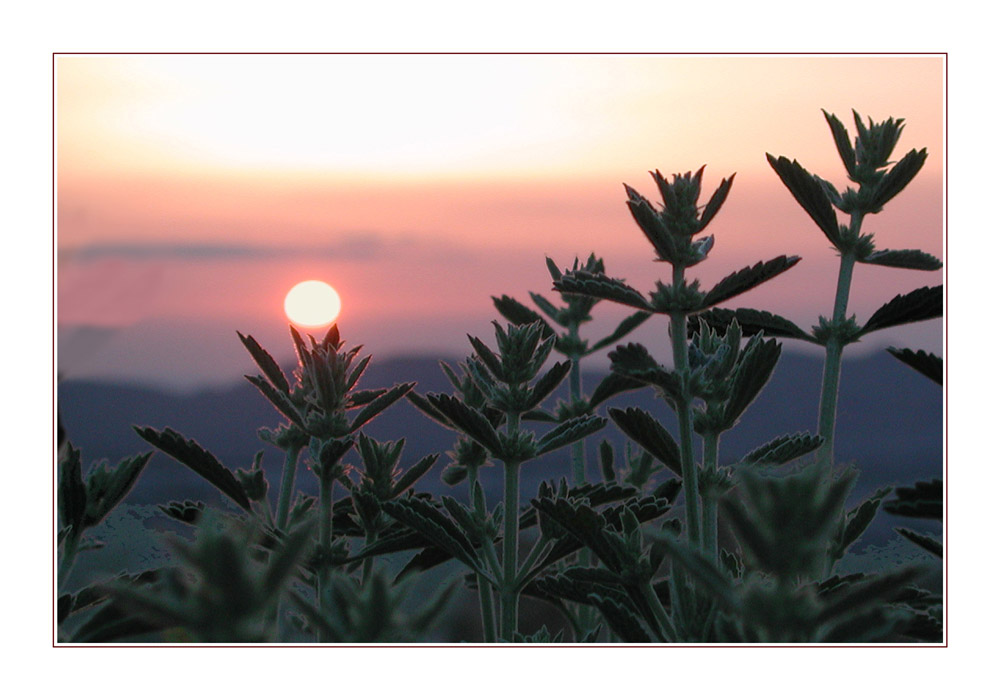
{"type": "Point", "coordinates": [889, 425]}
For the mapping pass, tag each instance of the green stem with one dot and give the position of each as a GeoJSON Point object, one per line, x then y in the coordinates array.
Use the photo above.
{"type": "Point", "coordinates": [578, 451]}
{"type": "Point", "coordinates": [70, 547]}
{"type": "Point", "coordinates": [689, 473]}
{"type": "Point", "coordinates": [832, 363]}
{"type": "Point", "coordinates": [508, 592]}
{"type": "Point", "coordinates": [667, 631]}
{"type": "Point", "coordinates": [325, 537]}
{"type": "Point", "coordinates": [287, 483]}
{"type": "Point", "coordinates": [710, 514]}
{"type": "Point", "coordinates": [485, 591]}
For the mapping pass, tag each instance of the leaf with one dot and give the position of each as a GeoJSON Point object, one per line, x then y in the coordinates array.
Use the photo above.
{"type": "Point", "coordinates": [925, 499]}
{"type": "Point", "coordinates": [715, 202]}
{"type": "Point", "coordinates": [586, 525]}
{"type": "Point", "coordinates": [809, 194]}
{"type": "Point", "coordinates": [708, 575]}
{"type": "Point", "coordinates": [927, 364]}
{"type": "Point", "coordinates": [548, 308]}
{"type": "Point", "coordinates": [106, 488]}
{"type": "Point", "coordinates": [549, 382]}
{"type": "Point", "coordinates": [923, 541]}
{"type": "Point", "coordinates": [629, 324]}
{"type": "Point", "coordinates": [517, 313]}
{"type": "Point", "coordinates": [282, 562]}
{"type": "Point", "coordinates": [746, 279]}
{"type": "Point", "coordinates": [380, 404]}
{"type": "Point", "coordinates": [843, 142]}
{"type": "Point", "coordinates": [645, 430]}
{"type": "Point", "coordinates": [856, 522]}
{"type": "Point", "coordinates": [634, 361]}
{"type": "Point", "coordinates": [751, 322]}
{"type": "Point", "coordinates": [279, 400]}
{"type": "Point", "coordinates": [569, 432]}
{"type": "Point", "coordinates": [488, 357]}
{"type": "Point", "coordinates": [899, 177]}
{"type": "Point", "coordinates": [468, 420]}
{"type": "Point", "coordinates": [198, 459]}
{"type": "Point", "coordinates": [72, 493]}
{"type": "Point", "coordinates": [919, 305]}
{"type": "Point", "coordinates": [753, 371]}
{"type": "Point", "coordinates": [435, 526]}
{"type": "Point", "coordinates": [364, 397]}
{"type": "Point", "coordinates": [909, 259]}
{"type": "Point", "coordinates": [624, 622]}
{"type": "Point", "coordinates": [602, 287]}
{"type": "Point", "coordinates": [425, 407]}
{"type": "Point", "coordinates": [783, 449]}
{"type": "Point", "coordinates": [410, 477]}
{"type": "Point", "coordinates": [266, 363]}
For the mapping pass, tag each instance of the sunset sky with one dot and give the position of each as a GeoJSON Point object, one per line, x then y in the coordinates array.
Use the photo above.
{"type": "Point", "coordinates": [194, 190]}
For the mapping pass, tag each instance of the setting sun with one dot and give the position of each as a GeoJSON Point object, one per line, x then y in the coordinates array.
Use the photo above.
{"type": "Point", "coordinates": [312, 303]}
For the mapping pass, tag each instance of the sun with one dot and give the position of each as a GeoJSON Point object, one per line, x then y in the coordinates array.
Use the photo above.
{"type": "Point", "coordinates": [312, 303]}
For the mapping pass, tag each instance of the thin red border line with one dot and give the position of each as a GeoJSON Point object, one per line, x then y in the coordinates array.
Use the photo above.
{"type": "Point", "coordinates": [942, 54]}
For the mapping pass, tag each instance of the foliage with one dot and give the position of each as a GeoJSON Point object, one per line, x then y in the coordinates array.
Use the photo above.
{"type": "Point", "coordinates": [659, 547]}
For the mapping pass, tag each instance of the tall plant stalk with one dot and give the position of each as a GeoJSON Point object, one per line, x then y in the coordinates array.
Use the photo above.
{"type": "Point", "coordinates": [511, 499]}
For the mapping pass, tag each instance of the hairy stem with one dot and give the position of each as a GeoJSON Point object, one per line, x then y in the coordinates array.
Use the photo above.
{"type": "Point", "coordinates": [578, 451]}
{"type": "Point", "coordinates": [710, 513]}
{"type": "Point", "coordinates": [325, 537]}
{"type": "Point", "coordinates": [509, 593]}
{"type": "Point", "coordinates": [486, 610]}
{"type": "Point", "coordinates": [832, 363]}
{"type": "Point", "coordinates": [666, 628]}
{"type": "Point", "coordinates": [287, 483]}
{"type": "Point", "coordinates": [689, 473]}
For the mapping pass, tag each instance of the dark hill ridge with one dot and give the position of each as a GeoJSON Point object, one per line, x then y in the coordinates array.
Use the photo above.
{"type": "Point", "coordinates": [889, 424]}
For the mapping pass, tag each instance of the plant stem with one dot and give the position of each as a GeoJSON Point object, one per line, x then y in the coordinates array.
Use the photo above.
{"type": "Point", "coordinates": [832, 363]}
{"type": "Point", "coordinates": [578, 451]}
{"type": "Point", "coordinates": [666, 628]}
{"type": "Point", "coordinates": [70, 548]}
{"type": "Point", "coordinates": [710, 514]}
{"type": "Point", "coordinates": [689, 473]}
{"type": "Point", "coordinates": [325, 536]}
{"type": "Point", "coordinates": [485, 591]}
{"type": "Point", "coordinates": [287, 482]}
{"type": "Point", "coordinates": [509, 593]}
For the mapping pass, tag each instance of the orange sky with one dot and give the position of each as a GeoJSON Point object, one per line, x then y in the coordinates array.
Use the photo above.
{"type": "Point", "coordinates": [193, 191]}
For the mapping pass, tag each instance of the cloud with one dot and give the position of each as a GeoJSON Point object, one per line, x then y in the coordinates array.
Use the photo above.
{"type": "Point", "coordinates": [356, 246]}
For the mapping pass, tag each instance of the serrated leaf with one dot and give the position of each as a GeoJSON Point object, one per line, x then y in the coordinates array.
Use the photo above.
{"type": "Point", "coordinates": [549, 382]}
{"type": "Point", "coordinates": [364, 397]}
{"type": "Point", "coordinates": [410, 477]}
{"type": "Point", "coordinates": [624, 621]}
{"type": "Point", "coordinates": [569, 432]}
{"type": "Point", "coordinates": [925, 499]}
{"type": "Point", "coordinates": [425, 407]}
{"type": "Point", "coordinates": [856, 522]}
{"type": "Point", "coordinates": [266, 363]}
{"type": "Point", "coordinates": [198, 459]}
{"type": "Point", "coordinates": [72, 493]}
{"type": "Point", "coordinates": [715, 202]}
{"type": "Point", "coordinates": [893, 182]}
{"type": "Point", "coordinates": [279, 400]}
{"type": "Point", "coordinates": [629, 324]}
{"type": "Point", "coordinates": [783, 449]}
{"type": "Point", "coordinates": [752, 373]}
{"type": "Point", "coordinates": [436, 526]}
{"type": "Point", "coordinates": [602, 287]}
{"type": "Point", "coordinates": [908, 259]}
{"type": "Point", "coordinates": [809, 194]}
{"type": "Point", "coordinates": [283, 560]}
{"type": "Point", "coordinates": [380, 404]}
{"type": "Point", "coordinates": [645, 430]}
{"type": "Point", "coordinates": [919, 305]}
{"type": "Point", "coordinates": [468, 420]}
{"type": "Point", "coordinates": [517, 313]}
{"type": "Point", "coordinates": [927, 364]}
{"type": "Point", "coordinates": [106, 488]}
{"type": "Point", "coordinates": [923, 541]}
{"type": "Point", "coordinates": [843, 142]}
{"type": "Point", "coordinates": [634, 361]}
{"type": "Point", "coordinates": [586, 525]}
{"type": "Point", "coordinates": [746, 279]}
{"type": "Point", "coordinates": [752, 321]}
{"type": "Point", "coordinates": [694, 561]}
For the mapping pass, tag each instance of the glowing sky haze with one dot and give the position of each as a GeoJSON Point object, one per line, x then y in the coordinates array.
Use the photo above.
{"type": "Point", "coordinates": [194, 190]}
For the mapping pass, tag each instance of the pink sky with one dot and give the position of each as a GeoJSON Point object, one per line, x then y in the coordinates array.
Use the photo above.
{"type": "Point", "coordinates": [194, 191]}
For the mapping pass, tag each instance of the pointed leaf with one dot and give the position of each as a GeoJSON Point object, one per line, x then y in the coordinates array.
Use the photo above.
{"type": "Point", "coordinates": [72, 495]}
{"type": "Point", "coordinates": [843, 141]}
{"type": "Point", "coordinates": [645, 430]}
{"type": "Point", "coordinates": [751, 322]}
{"type": "Point", "coordinates": [783, 449]}
{"type": "Point", "coordinates": [629, 324]}
{"type": "Point", "coordinates": [919, 305]}
{"type": "Point", "coordinates": [612, 385]}
{"type": "Point", "coordinates": [410, 477]}
{"type": "Point", "coordinates": [856, 522]}
{"type": "Point", "coordinates": [436, 526]}
{"type": "Point", "coordinates": [517, 313]}
{"type": "Point", "coordinates": [925, 499]}
{"type": "Point", "coordinates": [923, 541]}
{"type": "Point", "coordinates": [927, 364]}
{"type": "Point", "coordinates": [908, 259]}
{"type": "Point", "coordinates": [425, 407]}
{"type": "Point", "coordinates": [198, 459]}
{"type": "Point", "coordinates": [279, 400]}
{"type": "Point", "coordinates": [106, 488]}
{"type": "Point", "coordinates": [694, 561]}
{"type": "Point", "coordinates": [266, 363]}
{"type": "Point", "coordinates": [468, 420]}
{"type": "Point", "coordinates": [548, 308]}
{"type": "Point", "coordinates": [715, 202]}
{"type": "Point", "coordinates": [746, 279]}
{"type": "Point", "coordinates": [899, 177]}
{"type": "Point", "coordinates": [569, 432]}
{"type": "Point", "coordinates": [380, 404]}
{"type": "Point", "coordinates": [622, 620]}
{"type": "Point", "coordinates": [602, 287]}
{"type": "Point", "coordinates": [752, 374]}
{"type": "Point", "coordinates": [809, 194]}
{"type": "Point", "coordinates": [549, 382]}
